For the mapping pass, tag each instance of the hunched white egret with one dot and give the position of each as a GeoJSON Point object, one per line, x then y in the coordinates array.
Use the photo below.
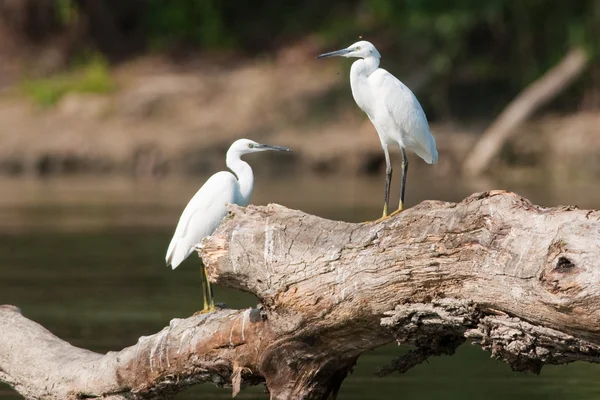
{"type": "Point", "coordinates": [206, 209]}
{"type": "Point", "coordinates": [392, 108]}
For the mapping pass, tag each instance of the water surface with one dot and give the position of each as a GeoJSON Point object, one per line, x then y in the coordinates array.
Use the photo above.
{"type": "Point", "coordinates": [85, 258]}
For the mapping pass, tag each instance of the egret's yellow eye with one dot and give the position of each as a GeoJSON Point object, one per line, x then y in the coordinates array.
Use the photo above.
{"type": "Point", "coordinates": [250, 145]}
{"type": "Point", "coordinates": [357, 47]}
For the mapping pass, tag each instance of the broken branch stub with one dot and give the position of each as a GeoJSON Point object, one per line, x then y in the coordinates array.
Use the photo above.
{"type": "Point", "coordinates": [519, 280]}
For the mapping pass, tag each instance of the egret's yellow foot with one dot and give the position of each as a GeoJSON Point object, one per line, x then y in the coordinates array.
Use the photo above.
{"type": "Point", "coordinates": [384, 216]}
{"type": "Point", "coordinates": [208, 308]}
{"type": "Point", "coordinates": [398, 211]}
{"type": "Point", "coordinates": [207, 298]}
{"type": "Point", "coordinates": [205, 310]}
{"type": "Point", "coordinates": [209, 304]}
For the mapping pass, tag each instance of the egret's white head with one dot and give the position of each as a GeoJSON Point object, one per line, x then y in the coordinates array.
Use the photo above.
{"type": "Point", "coordinates": [362, 49]}
{"type": "Point", "coordinates": [245, 146]}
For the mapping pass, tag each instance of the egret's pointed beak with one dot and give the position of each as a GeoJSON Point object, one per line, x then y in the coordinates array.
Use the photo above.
{"type": "Point", "coordinates": [339, 53]}
{"type": "Point", "coordinates": [269, 147]}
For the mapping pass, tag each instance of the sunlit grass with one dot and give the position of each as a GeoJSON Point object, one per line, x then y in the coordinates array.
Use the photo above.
{"type": "Point", "coordinates": [92, 76]}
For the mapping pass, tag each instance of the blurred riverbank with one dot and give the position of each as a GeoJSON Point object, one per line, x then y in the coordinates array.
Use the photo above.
{"type": "Point", "coordinates": [167, 119]}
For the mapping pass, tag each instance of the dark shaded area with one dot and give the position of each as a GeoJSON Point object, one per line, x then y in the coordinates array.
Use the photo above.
{"type": "Point", "coordinates": [444, 346]}
{"type": "Point", "coordinates": [564, 265]}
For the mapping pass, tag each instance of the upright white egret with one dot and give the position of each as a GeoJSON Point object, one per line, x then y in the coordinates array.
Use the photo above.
{"type": "Point", "coordinates": [206, 209]}
{"type": "Point", "coordinates": [392, 108]}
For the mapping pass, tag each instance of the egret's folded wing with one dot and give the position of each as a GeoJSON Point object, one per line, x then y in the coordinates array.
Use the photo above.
{"type": "Point", "coordinates": [202, 214]}
{"type": "Point", "coordinates": [406, 110]}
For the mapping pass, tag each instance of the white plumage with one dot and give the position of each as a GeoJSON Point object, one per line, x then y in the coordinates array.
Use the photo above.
{"type": "Point", "coordinates": [206, 209]}
{"type": "Point", "coordinates": [399, 116]}
{"type": "Point", "coordinates": [203, 214]}
{"type": "Point", "coordinates": [392, 108]}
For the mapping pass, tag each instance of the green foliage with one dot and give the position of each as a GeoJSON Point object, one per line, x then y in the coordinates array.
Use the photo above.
{"type": "Point", "coordinates": [466, 46]}
{"type": "Point", "coordinates": [91, 76]}
{"type": "Point", "coordinates": [66, 11]}
{"type": "Point", "coordinates": [498, 45]}
{"type": "Point", "coordinates": [199, 22]}
{"type": "Point", "coordinates": [218, 24]}
{"type": "Point", "coordinates": [528, 36]}
{"type": "Point", "coordinates": [525, 35]}
{"type": "Point", "coordinates": [463, 46]}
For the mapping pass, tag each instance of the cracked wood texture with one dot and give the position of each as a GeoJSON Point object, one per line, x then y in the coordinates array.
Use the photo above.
{"type": "Point", "coordinates": [519, 280]}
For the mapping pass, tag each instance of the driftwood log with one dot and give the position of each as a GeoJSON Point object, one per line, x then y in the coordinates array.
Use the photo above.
{"type": "Point", "coordinates": [519, 280]}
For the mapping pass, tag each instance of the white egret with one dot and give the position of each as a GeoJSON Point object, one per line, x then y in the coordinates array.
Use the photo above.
{"type": "Point", "coordinates": [392, 108]}
{"type": "Point", "coordinates": [206, 209]}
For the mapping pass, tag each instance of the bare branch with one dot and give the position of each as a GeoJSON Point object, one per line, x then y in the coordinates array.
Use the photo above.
{"type": "Point", "coordinates": [526, 103]}
{"type": "Point", "coordinates": [189, 351]}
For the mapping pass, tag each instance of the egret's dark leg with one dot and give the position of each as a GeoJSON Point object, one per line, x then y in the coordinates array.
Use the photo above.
{"type": "Point", "coordinates": [388, 181]}
{"type": "Point", "coordinates": [402, 182]}
{"type": "Point", "coordinates": [204, 299]}
{"type": "Point", "coordinates": [207, 299]}
{"type": "Point", "coordinates": [209, 293]}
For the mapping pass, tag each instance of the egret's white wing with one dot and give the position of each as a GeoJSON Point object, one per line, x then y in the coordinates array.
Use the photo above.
{"type": "Point", "coordinates": [202, 215]}
{"type": "Point", "coordinates": [404, 108]}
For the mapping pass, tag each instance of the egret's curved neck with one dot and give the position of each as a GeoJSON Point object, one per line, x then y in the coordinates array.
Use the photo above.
{"type": "Point", "coordinates": [365, 67]}
{"type": "Point", "coordinates": [244, 175]}
{"type": "Point", "coordinates": [361, 90]}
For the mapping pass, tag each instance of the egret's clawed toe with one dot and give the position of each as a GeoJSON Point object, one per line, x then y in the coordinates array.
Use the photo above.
{"type": "Point", "coordinates": [382, 218]}
{"type": "Point", "coordinates": [398, 211]}
{"type": "Point", "coordinates": [207, 309]}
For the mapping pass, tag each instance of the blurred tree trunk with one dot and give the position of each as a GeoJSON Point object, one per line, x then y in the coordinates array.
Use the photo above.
{"type": "Point", "coordinates": [526, 103]}
{"type": "Point", "coordinates": [114, 26]}
{"type": "Point", "coordinates": [33, 38]}
{"type": "Point", "coordinates": [519, 280]}
{"type": "Point", "coordinates": [29, 20]}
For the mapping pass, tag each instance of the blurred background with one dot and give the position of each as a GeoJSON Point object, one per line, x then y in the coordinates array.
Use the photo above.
{"type": "Point", "coordinates": [113, 114]}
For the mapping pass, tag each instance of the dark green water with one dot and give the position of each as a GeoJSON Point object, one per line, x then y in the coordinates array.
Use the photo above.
{"type": "Point", "coordinates": [102, 284]}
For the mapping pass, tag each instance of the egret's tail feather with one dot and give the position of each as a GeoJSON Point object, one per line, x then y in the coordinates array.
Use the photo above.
{"type": "Point", "coordinates": [430, 156]}
{"type": "Point", "coordinates": [177, 255]}
{"type": "Point", "coordinates": [176, 259]}
{"type": "Point", "coordinates": [171, 251]}
{"type": "Point", "coordinates": [434, 156]}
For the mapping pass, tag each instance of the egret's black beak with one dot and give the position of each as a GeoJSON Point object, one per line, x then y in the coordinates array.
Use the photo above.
{"type": "Point", "coordinates": [269, 147]}
{"type": "Point", "coordinates": [341, 52]}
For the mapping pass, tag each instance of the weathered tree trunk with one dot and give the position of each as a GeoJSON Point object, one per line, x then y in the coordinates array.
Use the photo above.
{"type": "Point", "coordinates": [520, 280]}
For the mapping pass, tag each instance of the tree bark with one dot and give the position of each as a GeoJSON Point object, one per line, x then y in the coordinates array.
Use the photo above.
{"type": "Point", "coordinates": [526, 103]}
{"type": "Point", "coordinates": [520, 280]}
